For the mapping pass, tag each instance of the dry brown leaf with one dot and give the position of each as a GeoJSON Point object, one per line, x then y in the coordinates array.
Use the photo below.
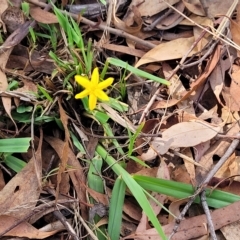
{"type": "Point", "coordinates": [197, 32]}
{"type": "Point", "coordinates": [147, 8]}
{"type": "Point", "coordinates": [20, 58]}
{"type": "Point", "coordinates": [180, 174]}
{"type": "Point", "coordinates": [174, 208]}
{"type": "Point", "coordinates": [229, 168]}
{"type": "Point", "coordinates": [42, 16]}
{"type": "Point", "coordinates": [20, 195]}
{"type": "Point", "coordinates": [118, 23]}
{"type": "Point", "coordinates": [2, 181]}
{"type": "Point", "coordinates": [200, 149]}
{"type": "Point", "coordinates": [77, 176]}
{"type": "Point", "coordinates": [234, 103]}
{"type": "Point", "coordinates": [124, 49]}
{"type": "Point", "coordinates": [23, 229]}
{"type": "Point", "coordinates": [235, 28]}
{"type": "Point", "coordinates": [6, 100]}
{"type": "Point", "coordinates": [194, 6]}
{"type": "Point", "coordinates": [194, 86]}
{"type": "Point", "coordinates": [170, 20]}
{"type": "Point", "coordinates": [194, 227]}
{"type": "Point", "coordinates": [65, 149]}
{"type": "Point", "coordinates": [29, 87]}
{"type": "Point", "coordinates": [217, 77]}
{"type": "Point", "coordinates": [167, 51]}
{"type": "Point", "coordinates": [218, 148]}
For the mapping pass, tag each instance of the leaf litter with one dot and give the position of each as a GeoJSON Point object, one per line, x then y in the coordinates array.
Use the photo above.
{"type": "Point", "coordinates": [189, 127]}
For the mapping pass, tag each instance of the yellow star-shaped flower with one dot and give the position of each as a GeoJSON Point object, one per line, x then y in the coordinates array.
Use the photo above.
{"type": "Point", "coordinates": [93, 88]}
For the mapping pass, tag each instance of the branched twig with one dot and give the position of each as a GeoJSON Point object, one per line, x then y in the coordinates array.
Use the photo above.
{"type": "Point", "coordinates": [204, 183]}
{"type": "Point", "coordinates": [66, 224]}
{"type": "Point", "coordinates": [208, 215]}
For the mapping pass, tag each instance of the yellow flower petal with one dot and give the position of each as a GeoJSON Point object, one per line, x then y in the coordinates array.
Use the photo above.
{"type": "Point", "coordinates": [95, 77]}
{"type": "Point", "coordinates": [82, 94]}
{"type": "Point", "coordinates": [101, 95]}
{"type": "Point", "coordinates": [106, 83]}
{"type": "Point", "coordinates": [83, 81]}
{"type": "Point", "coordinates": [92, 101]}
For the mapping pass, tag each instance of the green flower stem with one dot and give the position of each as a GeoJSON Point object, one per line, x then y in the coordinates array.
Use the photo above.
{"type": "Point", "coordinates": [135, 188]}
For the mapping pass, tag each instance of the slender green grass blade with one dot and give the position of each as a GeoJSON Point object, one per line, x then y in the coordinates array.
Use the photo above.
{"type": "Point", "coordinates": [95, 182]}
{"type": "Point", "coordinates": [216, 198]}
{"type": "Point", "coordinates": [138, 72]}
{"type": "Point", "coordinates": [16, 145]}
{"type": "Point", "coordinates": [115, 209]}
{"type": "Point", "coordinates": [14, 163]}
{"type": "Point", "coordinates": [134, 187]}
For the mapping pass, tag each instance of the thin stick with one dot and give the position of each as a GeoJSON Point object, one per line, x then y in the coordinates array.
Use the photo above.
{"type": "Point", "coordinates": [146, 110]}
{"type": "Point", "coordinates": [102, 27]}
{"type": "Point", "coordinates": [208, 215]}
{"type": "Point", "coordinates": [207, 179]}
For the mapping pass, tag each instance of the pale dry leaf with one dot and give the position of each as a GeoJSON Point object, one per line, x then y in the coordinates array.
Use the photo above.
{"type": "Point", "coordinates": [235, 89]}
{"type": "Point", "coordinates": [235, 28]}
{"type": "Point", "coordinates": [187, 134]}
{"type": "Point", "coordinates": [3, 7]}
{"type": "Point", "coordinates": [231, 231]}
{"type": "Point", "coordinates": [221, 9]}
{"type": "Point", "coordinates": [167, 51]}
{"type": "Point", "coordinates": [29, 88]}
{"type": "Point", "coordinates": [189, 166]}
{"type": "Point", "coordinates": [161, 146]}
{"type": "Point", "coordinates": [229, 116]}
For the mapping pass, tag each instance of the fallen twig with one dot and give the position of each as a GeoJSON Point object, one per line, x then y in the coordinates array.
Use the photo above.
{"type": "Point", "coordinates": [204, 183]}
{"type": "Point", "coordinates": [208, 215]}
{"type": "Point", "coordinates": [102, 27]}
